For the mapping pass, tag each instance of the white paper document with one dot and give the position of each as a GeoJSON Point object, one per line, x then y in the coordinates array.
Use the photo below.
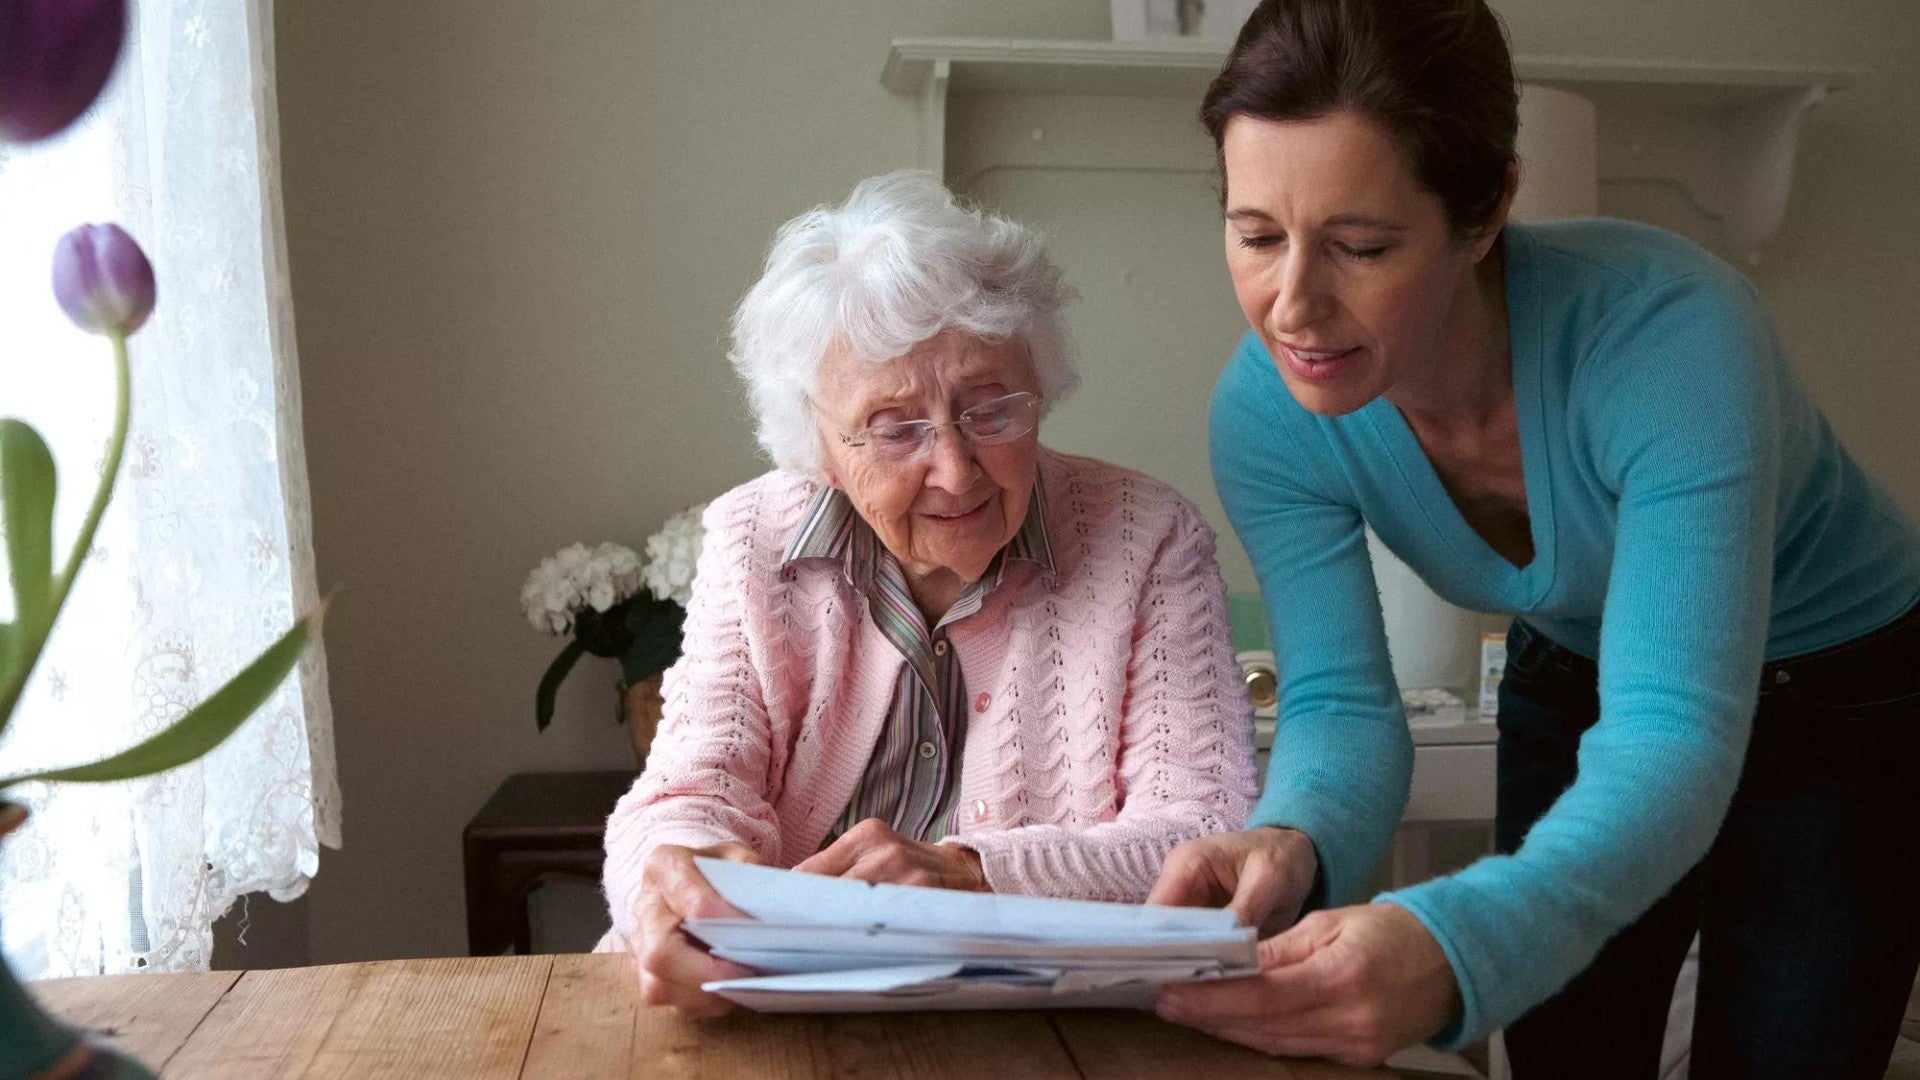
{"type": "Point", "coordinates": [826, 944]}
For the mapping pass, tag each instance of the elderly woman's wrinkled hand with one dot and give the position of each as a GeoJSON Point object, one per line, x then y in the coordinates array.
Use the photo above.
{"type": "Point", "coordinates": [870, 851]}
{"type": "Point", "coordinates": [672, 965]}
{"type": "Point", "coordinates": [1353, 984]}
{"type": "Point", "coordinates": [1263, 874]}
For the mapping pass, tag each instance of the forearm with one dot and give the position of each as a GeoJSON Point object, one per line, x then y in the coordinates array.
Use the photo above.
{"type": "Point", "coordinates": [1121, 858]}
{"type": "Point", "coordinates": [704, 785]}
{"type": "Point", "coordinates": [1342, 759]}
{"type": "Point", "coordinates": [1343, 781]}
{"type": "Point", "coordinates": [1115, 860]}
{"type": "Point", "coordinates": [1516, 928]}
{"type": "Point", "coordinates": [642, 824]}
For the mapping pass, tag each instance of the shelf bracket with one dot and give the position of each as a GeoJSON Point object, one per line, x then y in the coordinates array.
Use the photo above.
{"type": "Point", "coordinates": [1748, 180]}
{"type": "Point", "coordinates": [933, 116]}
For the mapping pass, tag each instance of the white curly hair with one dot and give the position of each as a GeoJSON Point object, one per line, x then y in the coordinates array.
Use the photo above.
{"type": "Point", "coordinates": [897, 263]}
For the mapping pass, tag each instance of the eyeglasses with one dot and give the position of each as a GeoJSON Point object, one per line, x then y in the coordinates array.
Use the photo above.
{"type": "Point", "coordinates": [1001, 420]}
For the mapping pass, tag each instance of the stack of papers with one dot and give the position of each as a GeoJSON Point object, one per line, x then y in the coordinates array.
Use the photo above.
{"type": "Point", "coordinates": [832, 945]}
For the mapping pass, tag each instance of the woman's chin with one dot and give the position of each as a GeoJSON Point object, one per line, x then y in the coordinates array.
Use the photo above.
{"type": "Point", "coordinates": [1320, 402]}
{"type": "Point", "coordinates": [1332, 398]}
{"type": "Point", "coordinates": [968, 562]}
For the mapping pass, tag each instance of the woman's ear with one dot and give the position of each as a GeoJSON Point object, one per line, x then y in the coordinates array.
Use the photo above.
{"type": "Point", "coordinates": [824, 472]}
{"type": "Point", "coordinates": [1483, 237]}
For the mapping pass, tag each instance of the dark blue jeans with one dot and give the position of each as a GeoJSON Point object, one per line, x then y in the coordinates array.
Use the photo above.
{"type": "Point", "coordinates": [1807, 905]}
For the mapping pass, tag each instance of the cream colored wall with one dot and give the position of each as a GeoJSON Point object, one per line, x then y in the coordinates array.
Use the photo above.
{"type": "Point", "coordinates": [1839, 275]}
{"type": "Point", "coordinates": [516, 229]}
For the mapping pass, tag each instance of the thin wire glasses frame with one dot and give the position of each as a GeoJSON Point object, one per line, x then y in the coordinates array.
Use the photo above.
{"type": "Point", "coordinates": [989, 423]}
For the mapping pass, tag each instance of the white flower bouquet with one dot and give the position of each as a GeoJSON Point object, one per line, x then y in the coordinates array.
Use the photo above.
{"type": "Point", "coordinates": [614, 605]}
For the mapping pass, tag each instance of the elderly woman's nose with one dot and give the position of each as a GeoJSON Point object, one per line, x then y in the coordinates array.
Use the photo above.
{"type": "Point", "coordinates": [950, 464]}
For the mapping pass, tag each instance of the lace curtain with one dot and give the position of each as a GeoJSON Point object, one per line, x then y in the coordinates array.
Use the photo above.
{"type": "Point", "coordinates": [206, 553]}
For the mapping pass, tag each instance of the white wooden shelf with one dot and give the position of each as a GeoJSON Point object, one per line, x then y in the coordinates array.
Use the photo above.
{"type": "Point", "coordinates": [1722, 136]}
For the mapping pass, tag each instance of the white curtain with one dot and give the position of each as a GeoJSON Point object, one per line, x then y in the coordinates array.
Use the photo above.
{"type": "Point", "coordinates": [206, 553]}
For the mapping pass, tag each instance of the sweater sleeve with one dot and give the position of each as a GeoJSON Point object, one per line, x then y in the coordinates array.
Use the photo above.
{"type": "Point", "coordinates": [1678, 396]}
{"type": "Point", "coordinates": [1342, 759]}
{"type": "Point", "coordinates": [1185, 761]}
{"type": "Point", "coordinates": [706, 779]}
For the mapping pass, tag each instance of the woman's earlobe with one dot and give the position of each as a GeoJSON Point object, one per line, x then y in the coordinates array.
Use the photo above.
{"type": "Point", "coordinates": [1490, 232]}
{"type": "Point", "coordinates": [1502, 214]}
{"type": "Point", "coordinates": [1488, 237]}
{"type": "Point", "coordinates": [823, 466]}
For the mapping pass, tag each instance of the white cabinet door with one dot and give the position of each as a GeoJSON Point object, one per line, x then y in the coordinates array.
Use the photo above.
{"type": "Point", "coordinates": [1451, 783]}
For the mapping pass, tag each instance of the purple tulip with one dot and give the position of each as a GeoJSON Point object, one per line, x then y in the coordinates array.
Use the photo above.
{"type": "Point", "coordinates": [103, 280]}
{"type": "Point", "coordinates": [55, 55]}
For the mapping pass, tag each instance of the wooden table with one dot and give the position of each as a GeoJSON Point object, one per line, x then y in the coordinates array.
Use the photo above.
{"type": "Point", "coordinates": [579, 1016]}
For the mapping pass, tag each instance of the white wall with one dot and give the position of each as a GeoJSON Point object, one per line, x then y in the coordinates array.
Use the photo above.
{"type": "Point", "coordinates": [516, 229]}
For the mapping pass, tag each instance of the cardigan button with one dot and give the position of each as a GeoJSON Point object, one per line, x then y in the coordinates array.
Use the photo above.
{"type": "Point", "coordinates": [979, 809]}
{"type": "Point", "coordinates": [981, 700]}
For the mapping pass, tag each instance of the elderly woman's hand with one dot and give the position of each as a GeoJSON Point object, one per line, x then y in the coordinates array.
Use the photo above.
{"type": "Point", "coordinates": [1353, 984]}
{"type": "Point", "coordinates": [870, 851]}
{"type": "Point", "coordinates": [1263, 874]}
{"type": "Point", "coordinates": [672, 966]}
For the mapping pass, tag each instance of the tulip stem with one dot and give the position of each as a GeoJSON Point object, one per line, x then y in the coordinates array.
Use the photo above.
{"type": "Point", "coordinates": [116, 448]}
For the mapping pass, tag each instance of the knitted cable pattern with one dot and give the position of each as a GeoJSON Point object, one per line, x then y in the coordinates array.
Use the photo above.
{"type": "Point", "coordinates": [1108, 720]}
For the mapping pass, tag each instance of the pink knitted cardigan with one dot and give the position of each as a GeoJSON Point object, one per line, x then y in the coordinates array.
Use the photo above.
{"type": "Point", "coordinates": [1108, 723]}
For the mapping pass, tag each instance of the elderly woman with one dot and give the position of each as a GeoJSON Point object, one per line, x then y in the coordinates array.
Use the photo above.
{"type": "Point", "coordinates": [925, 649]}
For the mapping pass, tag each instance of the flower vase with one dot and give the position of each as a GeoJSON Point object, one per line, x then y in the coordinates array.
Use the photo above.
{"type": "Point", "coordinates": [35, 1046]}
{"type": "Point", "coordinates": [640, 707]}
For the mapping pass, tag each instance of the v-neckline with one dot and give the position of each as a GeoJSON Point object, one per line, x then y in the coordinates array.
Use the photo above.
{"type": "Point", "coordinates": [1520, 586]}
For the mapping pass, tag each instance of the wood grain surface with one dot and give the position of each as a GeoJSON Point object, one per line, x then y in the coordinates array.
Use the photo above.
{"type": "Point", "coordinates": [581, 1017]}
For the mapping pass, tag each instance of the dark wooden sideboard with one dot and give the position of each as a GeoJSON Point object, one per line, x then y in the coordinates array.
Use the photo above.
{"type": "Point", "coordinates": [534, 827]}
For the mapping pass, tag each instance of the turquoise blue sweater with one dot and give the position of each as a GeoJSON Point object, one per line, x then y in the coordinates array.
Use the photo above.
{"type": "Point", "coordinates": [1692, 513]}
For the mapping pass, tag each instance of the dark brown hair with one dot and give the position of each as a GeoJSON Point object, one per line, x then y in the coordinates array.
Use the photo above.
{"type": "Point", "coordinates": [1435, 74]}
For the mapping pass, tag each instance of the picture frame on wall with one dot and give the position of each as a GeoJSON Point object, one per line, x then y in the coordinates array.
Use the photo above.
{"type": "Point", "coordinates": [1198, 20]}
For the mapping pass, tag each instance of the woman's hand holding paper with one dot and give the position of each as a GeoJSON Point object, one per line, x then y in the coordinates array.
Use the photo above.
{"type": "Point", "coordinates": [1264, 875]}
{"type": "Point", "coordinates": [1353, 984]}
{"type": "Point", "coordinates": [870, 851]}
{"type": "Point", "coordinates": [672, 967]}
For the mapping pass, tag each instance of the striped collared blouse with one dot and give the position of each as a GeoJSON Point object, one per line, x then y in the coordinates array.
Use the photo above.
{"type": "Point", "coordinates": [912, 779]}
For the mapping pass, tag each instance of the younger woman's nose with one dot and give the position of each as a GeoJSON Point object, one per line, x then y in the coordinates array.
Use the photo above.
{"type": "Point", "coordinates": [1300, 300]}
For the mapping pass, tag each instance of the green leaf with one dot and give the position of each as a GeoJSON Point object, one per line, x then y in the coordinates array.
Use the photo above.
{"type": "Point", "coordinates": [550, 682]}
{"type": "Point", "coordinates": [604, 633]}
{"type": "Point", "coordinates": [27, 486]}
{"type": "Point", "coordinates": [206, 726]}
{"type": "Point", "coordinates": [653, 637]}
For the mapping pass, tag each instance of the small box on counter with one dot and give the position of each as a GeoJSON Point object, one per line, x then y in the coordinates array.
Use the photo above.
{"type": "Point", "coordinates": [1493, 661]}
